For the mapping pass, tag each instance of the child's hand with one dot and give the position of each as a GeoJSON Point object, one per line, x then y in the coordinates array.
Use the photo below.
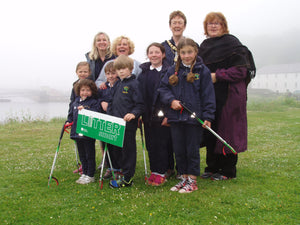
{"type": "Point", "coordinates": [206, 123]}
{"type": "Point", "coordinates": [175, 104]}
{"type": "Point", "coordinates": [102, 86]}
{"type": "Point", "coordinates": [104, 106]}
{"type": "Point", "coordinates": [165, 122]}
{"type": "Point", "coordinates": [213, 77]}
{"type": "Point", "coordinates": [128, 117]}
{"type": "Point", "coordinates": [80, 107]}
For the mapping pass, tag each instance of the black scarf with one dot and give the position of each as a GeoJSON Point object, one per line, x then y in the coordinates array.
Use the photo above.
{"type": "Point", "coordinates": [224, 52]}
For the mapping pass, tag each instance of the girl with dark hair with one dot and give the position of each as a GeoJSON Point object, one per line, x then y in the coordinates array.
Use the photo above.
{"type": "Point", "coordinates": [157, 135]}
{"type": "Point", "coordinates": [86, 92]}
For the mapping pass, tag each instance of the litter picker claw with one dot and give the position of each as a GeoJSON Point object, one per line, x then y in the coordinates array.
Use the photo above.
{"type": "Point", "coordinates": [65, 126]}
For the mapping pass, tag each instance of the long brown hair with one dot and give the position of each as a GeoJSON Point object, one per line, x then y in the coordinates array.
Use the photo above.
{"type": "Point", "coordinates": [173, 79]}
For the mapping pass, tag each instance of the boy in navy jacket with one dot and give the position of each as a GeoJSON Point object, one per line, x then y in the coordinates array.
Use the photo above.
{"type": "Point", "coordinates": [126, 102]}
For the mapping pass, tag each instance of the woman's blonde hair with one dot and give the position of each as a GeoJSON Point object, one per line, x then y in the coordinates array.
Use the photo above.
{"type": "Point", "coordinates": [218, 16]}
{"type": "Point", "coordinates": [94, 54]}
{"type": "Point", "coordinates": [118, 40]}
{"type": "Point", "coordinates": [173, 79]}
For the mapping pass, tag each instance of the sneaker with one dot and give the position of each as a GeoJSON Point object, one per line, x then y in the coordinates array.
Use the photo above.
{"type": "Point", "coordinates": [191, 185]}
{"type": "Point", "coordinates": [180, 185]}
{"type": "Point", "coordinates": [80, 178]}
{"type": "Point", "coordinates": [120, 183]}
{"type": "Point", "coordinates": [169, 173]}
{"type": "Point", "coordinates": [78, 170]}
{"type": "Point", "coordinates": [87, 180]}
{"type": "Point", "coordinates": [206, 175]}
{"type": "Point", "coordinates": [159, 180]}
{"type": "Point", "coordinates": [107, 175]}
{"type": "Point", "coordinates": [218, 176]}
{"type": "Point", "coordinates": [151, 179]}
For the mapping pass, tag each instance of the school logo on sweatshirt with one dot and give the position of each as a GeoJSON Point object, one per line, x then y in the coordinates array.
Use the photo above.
{"type": "Point", "coordinates": [197, 76]}
{"type": "Point", "coordinates": [125, 90]}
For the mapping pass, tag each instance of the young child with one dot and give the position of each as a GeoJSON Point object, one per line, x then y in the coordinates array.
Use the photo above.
{"type": "Point", "coordinates": [126, 103]}
{"type": "Point", "coordinates": [157, 136]}
{"type": "Point", "coordinates": [82, 71]}
{"type": "Point", "coordinates": [86, 92]}
{"type": "Point", "coordinates": [188, 82]}
{"type": "Point", "coordinates": [104, 94]}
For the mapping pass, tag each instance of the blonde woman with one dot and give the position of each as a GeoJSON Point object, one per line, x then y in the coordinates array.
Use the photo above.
{"type": "Point", "coordinates": [100, 54]}
{"type": "Point", "coordinates": [121, 46]}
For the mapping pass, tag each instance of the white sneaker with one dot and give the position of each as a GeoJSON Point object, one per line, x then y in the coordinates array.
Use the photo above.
{"type": "Point", "coordinates": [82, 177]}
{"type": "Point", "coordinates": [87, 180]}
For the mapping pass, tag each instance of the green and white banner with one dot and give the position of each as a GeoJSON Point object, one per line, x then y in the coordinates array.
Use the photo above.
{"type": "Point", "coordinates": [109, 129]}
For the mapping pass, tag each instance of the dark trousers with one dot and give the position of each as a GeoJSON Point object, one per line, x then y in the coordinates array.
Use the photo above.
{"type": "Point", "coordinates": [125, 158]}
{"type": "Point", "coordinates": [186, 141]}
{"type": "Point", "coordinates": [86, 150]}
{"type": "Point", "coordinates": [158, 140]}
{"type": "Point", "coordinates": [219, 163]}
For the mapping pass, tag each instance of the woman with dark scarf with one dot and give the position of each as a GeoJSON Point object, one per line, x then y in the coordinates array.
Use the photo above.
{"type": "Point", "coordinates": [228, 61]}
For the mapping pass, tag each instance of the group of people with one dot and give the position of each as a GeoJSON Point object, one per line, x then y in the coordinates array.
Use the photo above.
{"type": "Point", "coordinates": [210, 79]}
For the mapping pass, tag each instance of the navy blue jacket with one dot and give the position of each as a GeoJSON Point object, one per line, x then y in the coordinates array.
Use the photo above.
{"type": "Point", "coordinates": [149, 81]}
{"type": "Point", "coordinates": [89, 103]}
{"type": "Point", "coordinates": [126, 98]}
{"type": "Point", "coordinates": [104, 95]}
{"type": "Point", "coordinates": [198, 96]}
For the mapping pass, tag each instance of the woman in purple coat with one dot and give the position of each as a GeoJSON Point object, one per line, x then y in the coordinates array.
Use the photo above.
{"type": "Point", "coordinates": [228, 61]}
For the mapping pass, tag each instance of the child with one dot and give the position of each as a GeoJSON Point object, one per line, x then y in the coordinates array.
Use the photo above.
{"type": "Point", "coordinates": [86, 92]}
{"type": "Point", "coordinates": [158, 137]}
{"type": "Point", "coordinates": [126, 102]}
{"type": "Point", "coordinates": [105, 93]}
{"type": "Point", "coordinates": [82, 71]}
{"type": "Point", "coordinates": [188, 82]}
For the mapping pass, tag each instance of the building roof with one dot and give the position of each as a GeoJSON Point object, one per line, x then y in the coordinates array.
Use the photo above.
{"type": "Point", "coordinates": [280, 68]}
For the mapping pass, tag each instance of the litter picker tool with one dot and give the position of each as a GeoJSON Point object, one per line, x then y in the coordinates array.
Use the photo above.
{"type": "Point", "coordinates": [144, 152]}
{"type": "Point", "coordinates": [56, 154]}
{"type": "Point", "coordinates": [102, 167]}
{"type": "Point", "coordinates": [193, 115]}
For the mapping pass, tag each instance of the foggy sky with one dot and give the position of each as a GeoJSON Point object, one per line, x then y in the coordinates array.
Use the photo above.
{"type": "Point", "coordinates": [41, 42]}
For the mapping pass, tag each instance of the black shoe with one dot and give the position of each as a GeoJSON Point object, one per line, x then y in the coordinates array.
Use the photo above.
{"type": "Point", "coordinates": [217, 176]}
{"type": "Point", "coordinates": [206, 175]}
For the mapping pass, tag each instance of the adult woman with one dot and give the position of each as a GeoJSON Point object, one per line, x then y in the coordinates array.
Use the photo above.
{"type": "Point", "coordinates": [121, 46]}
{"type": "Point", "coordinates": [99, 54]}
{"type": "Point", "coordinates": [177, 24]}
{"type": "Point", "coordinates": [227, 60]}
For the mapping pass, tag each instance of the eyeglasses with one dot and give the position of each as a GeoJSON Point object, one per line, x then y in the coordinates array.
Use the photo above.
{"type": "Point", "coordinates": [214, 24]}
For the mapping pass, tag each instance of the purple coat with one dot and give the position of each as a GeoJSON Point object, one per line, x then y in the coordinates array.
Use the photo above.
{"type": "Point", "coordinates": [232, 120]}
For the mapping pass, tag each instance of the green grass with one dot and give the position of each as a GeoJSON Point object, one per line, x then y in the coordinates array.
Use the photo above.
{"type": "Point", "coordinates": [266, 190]}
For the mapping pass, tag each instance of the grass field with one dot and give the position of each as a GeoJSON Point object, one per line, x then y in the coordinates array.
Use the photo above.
{"type": "Point", "coordinates": [266, 190]}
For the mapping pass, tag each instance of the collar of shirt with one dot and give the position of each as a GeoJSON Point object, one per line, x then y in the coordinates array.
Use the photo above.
{"type": "Point", "coordinates": [189, 66]}
{"type": "Point", "coordinates": [158, 68]}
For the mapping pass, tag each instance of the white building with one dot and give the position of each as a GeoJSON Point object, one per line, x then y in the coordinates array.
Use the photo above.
{"type": "Point", "coordinates": [279, 78]}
